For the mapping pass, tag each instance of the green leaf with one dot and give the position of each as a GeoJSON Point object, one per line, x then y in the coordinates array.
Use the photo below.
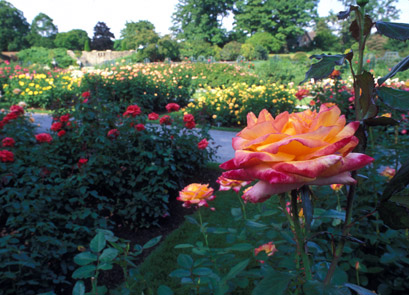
{"type": "Point", "coordinates": [366, 107]}
{"type": "Point", "coordinates": [152, 242]}
{"type": "Point", "coordinates": [98, 242]}
{"type": "Point", "coordinates": [235, 270]}
{"type": "Point", "coordinates": [185, 261]}
{"type": "Point", "coordinates": [318, 288]}
{"type": "Point", "coordinates": [105, 266]}
{"type": "Point", "coordinates": [403, 65]}
{"type": "Point", "coordinates": [180, 273]}
{"type": "Point", "coordinates": [182, 246]}
{"type": "Point", "coordinates": [359, 289]}
{"type": "Point", "coordinates": [274, 282]}
{"type": "Point", "coordinates": [381, 121]}
{"type": "Point", "coordinates": [402, 200]}
{"type": "Point", "coordinates": [85, 258]}
{"type": "Point", "coordinates": [394, 98]}
{"type": "Point", "coordinates": [236, 212]}
{"type": "Point", "coordinates": [79, 288]}
{"type": "Point", "coordinates": [331, 213]}
{"type": "Point", "coordinates": [84, 272]}
{"type": "Point", "coordinates": [202, 271]}
{"type": "Point", "coordinates": [241, 247]}
{"type": "Point", "coordinates": [323, 68]}
{"type": "Point", "coordinates": [164, 290]}
{"type": "Point", "coordinates": [191, 219]}
{"type": "Point", "coordinates": [108, 255]}
{"type": "Point", "coordinates": [397, 183]}
{"type": "Point", "coordinates": [398, 31]}
{"type": "Point", "coordinates": [255, 224]}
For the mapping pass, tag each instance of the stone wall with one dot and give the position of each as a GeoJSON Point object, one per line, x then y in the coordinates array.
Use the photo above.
{"type": "Point", "coordinates": [91, 58]}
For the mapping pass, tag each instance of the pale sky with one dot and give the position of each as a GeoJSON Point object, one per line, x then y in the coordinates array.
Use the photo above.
{"type": "Point", "coordinates": [84, 14]}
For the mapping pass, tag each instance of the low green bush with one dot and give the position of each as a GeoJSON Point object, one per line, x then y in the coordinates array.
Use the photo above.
{"type": "Point", "coordinates": [45, 56]}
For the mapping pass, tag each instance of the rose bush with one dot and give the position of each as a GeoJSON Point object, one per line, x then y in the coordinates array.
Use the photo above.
{"type": "Point", "coordinates": [292, 150]}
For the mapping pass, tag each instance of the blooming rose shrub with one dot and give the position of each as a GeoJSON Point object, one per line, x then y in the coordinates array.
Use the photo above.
{"type": "Point", "coordinates": [54, 194]}
{"type": "Point", "coordinates": [229, 106]}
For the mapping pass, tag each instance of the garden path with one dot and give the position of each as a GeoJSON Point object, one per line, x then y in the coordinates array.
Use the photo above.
{"type": "Point", "coordinates": [223, 139]}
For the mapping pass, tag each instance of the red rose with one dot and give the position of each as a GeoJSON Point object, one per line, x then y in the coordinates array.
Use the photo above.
{"type": "Point", "coordinates": [82, 162]}
{"type": "Point", "coordinates": [43, 137]}
{"type": "Point", "coordinates": [172, 107]}
{"type": "Point", "coordinates": [153, 116]}
{"type": "Point", "coordinates": [10, 116]}
{"type": "Point", "coordinates": [302, 93]}
{"type": "Point", "coordinates": [61, 133]}
{"type": "Point", "coordinates": [8, 141]}
{"type": "Point", "coordinates": [65, 118]}
{"type": "Point", "coordinates": [17, 109]}
{"type": "Point", "coordinates": [140, 127]}
{"type": "Point", "coordinates": [203, 144]}
{"type": "Point", "coordinates": [165, 120]}
{"type": "Point", "coordinates": [190, 125]}
{"type": "Point", "coordinates": [86, 94]}
{"type": "Point", "coordinates": [56, 126]}
{"type": "Point", "coordinates": [6, 156]}
{"type": "Point", "coordinates": [368, 60]}
{"type": "Point", "coordinates": [188, 118]}
{"type": "Point", "coordinates": [113, 133]}
{"type": "Point", "coordinates": [132, 110]}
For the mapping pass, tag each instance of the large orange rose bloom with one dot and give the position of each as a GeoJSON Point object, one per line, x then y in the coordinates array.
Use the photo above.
{"type": "Point", "coordinates": [293, 150]}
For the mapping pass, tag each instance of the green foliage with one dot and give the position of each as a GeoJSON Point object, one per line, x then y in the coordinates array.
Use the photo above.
{"type": "Point", "coordinates": [42, 31]}
{"type": "Point", "coordinates": [105, 251]}
{"type": "Point", "coordinates": [260, 52]}
{"type": "Point", "coordinates": [268, 41]}
{"type": "Point", "coordinates": [136, 34]}
{"type": "Point", "coordinates": [13, 28]}
{"type": "Point", "coordinates": [196, 48]}
{"type": "Point", "coordinates": [87, 46]}
{"type": "Point", "coordinates": [73, 40]}
{"type": "Point", "coordinates": [284, 22]}
{"type": "Point", "coordinates": [195, 20]}
{"type": "Point", "coordinates": [43, 56]}
{"type": "Point", "coordinates": [230, 51]}
{"type": "Point", "coordinates": [279, 70]}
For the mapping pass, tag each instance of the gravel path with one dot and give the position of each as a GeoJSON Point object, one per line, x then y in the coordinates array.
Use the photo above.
{"type": "Point", "coordinates": [222, 139]}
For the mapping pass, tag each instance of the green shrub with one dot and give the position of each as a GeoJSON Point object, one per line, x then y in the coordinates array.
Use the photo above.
{"type": "Point", "coordinates": [44, 56]}
{"type": "Point", "coordinates": [260, 53]}
{"type": "Point", "coordinates": [230, 51]}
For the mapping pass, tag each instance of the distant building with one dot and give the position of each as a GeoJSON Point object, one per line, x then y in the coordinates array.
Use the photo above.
{"type": "Point", "coordinates": [306, 39]}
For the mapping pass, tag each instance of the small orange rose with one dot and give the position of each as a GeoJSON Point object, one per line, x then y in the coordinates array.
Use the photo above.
{"type": "Point", "coordinates": [269, 248]}
{"type": "Point", "coordinates": [227, 184]}
{"type": "Point", "coordinates": [196, 194]}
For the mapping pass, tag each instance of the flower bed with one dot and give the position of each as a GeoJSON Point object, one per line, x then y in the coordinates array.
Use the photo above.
{"type": "Point", "coordinates": [103, 165]}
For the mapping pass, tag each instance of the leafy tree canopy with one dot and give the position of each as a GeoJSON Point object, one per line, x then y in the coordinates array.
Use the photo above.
{"type": "Point", "coordinates": [384, 10]}
{"type": "Point", "coordinates": [201, 20]}
{"type": "Point", "coordinates": [74, 39]}
{"type": "Point", "coordinates": [13, 28]}
{"type": "Point", "coordinates": [137, 34]}
{"type": "Point", "coordinates": [102, 39]}
{"type": "Point", "coordinates": [42, 31]}
{"type": "Point", "coordinates": [288, 18]}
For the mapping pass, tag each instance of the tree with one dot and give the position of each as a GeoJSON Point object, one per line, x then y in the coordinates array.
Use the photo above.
{"type": "Point", "coordinates": [13, 28]}
{"type": "Point", "coordinates": [324, 38]}
{"type": "Point", "coordinates": [138, 34]}
{"type": "Point", "coordinates": [288, 18]}
{"type": "Point", "coordinates": [268, 41]}
{"type": "Point", "coordinates": [384, 10]}
{"type": "Point", "coordinates": [230, 51]}
{"type": "Point", "coordinates": [42, 31]}
{"type": "Point", "coordinates": [168, 48]}
{"type": "Point", "coordinates": [73, 40]}
{"type": "Point", "coordinates": [102, 37]}
{"type": "Point", "coordinates": [201, 20]}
